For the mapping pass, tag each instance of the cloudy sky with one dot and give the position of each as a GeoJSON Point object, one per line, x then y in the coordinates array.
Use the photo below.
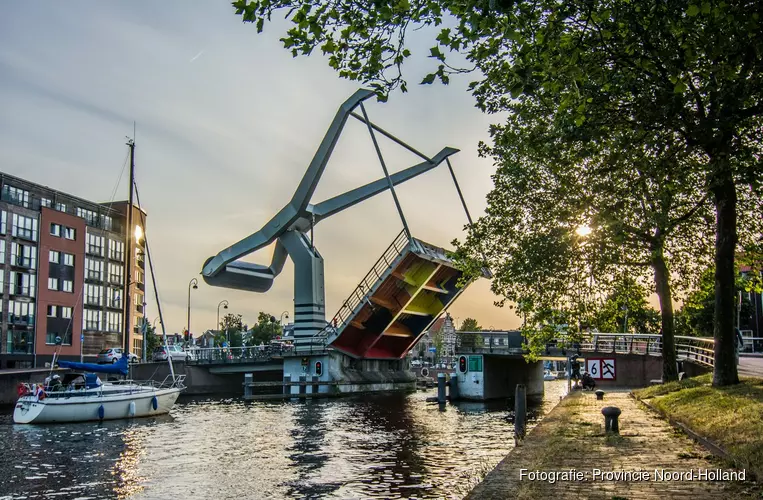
{"type": "Point", "coordinates": [227, 122]}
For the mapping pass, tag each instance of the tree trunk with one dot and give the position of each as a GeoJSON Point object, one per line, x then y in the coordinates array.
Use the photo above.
{"type": "Point", "coordinates": [725, 198]}
{"type": "Point", "coordinates": [662, 285]}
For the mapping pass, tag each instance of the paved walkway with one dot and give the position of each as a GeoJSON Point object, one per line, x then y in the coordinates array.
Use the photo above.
{"type": "Point", "coordinates": [572, 437]}
{"type": "Point", "coordinates": [750, 366]}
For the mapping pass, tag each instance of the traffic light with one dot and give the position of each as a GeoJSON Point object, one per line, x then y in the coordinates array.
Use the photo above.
{"type": "Point", "coordinates": [462, 364]}
{"type": "Point", "coordinates": [318, 368]}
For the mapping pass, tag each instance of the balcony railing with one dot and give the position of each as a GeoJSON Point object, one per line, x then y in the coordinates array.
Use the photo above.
{"type": "Point", "coordinates": [94, 275]}
{"type": "Point", "coordinates": [24, 291]}
{"type": "Point", "coordinates": [20, 343]}
{"type": "Point", "coordinates": [21, 320]}
{"type": "Point", "coordinates": [115, 278]}
{"type": "Point", "coordinates": [115, 304]}
{"type": "Point", "coordinates": [24, 233]}
{"type": "Point", "coordinates": [92, 326]}
{"type": "Point", "coordinates": [26, 262]}
{"type": "Point", "coordinates": [95, 250]}
{"type": "Point", "coordinates": [92, 300]}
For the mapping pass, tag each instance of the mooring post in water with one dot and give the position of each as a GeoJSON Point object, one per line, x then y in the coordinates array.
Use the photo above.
{"type": "Point", "coordinates": [520, 411]}
{"type": "Point", "coordinates": [248, 379]}
{"type": "Point", "coordinates": [441, 389]}
{"type": "Point", "coordinates": [302, 386]}
{"type": "Point", "coordinates": [453, 383]}
{"type": "Point", "coordinates": [315, 384]}
{"type": "Point", "coordinates": [287, 383]}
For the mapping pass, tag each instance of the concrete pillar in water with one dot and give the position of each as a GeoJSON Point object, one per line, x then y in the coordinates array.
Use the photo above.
{"type": "Point", "coordinates": [302, 386]}
{"type": "Point", "coordinates": [287, 383]}
{"type": "Point", "coordinates": [454, 386]}
{"type": "Point", "coordinates": [248, 379]}
{"type": "Point", "coordinates": [520, 411]}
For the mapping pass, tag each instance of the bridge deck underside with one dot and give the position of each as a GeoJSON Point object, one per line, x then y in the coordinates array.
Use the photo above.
{"type": "Point", "coordinates": [398, 309]}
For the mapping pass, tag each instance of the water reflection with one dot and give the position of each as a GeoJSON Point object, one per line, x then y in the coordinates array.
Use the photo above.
{"type": "Point", "coordinates": [379, 445]}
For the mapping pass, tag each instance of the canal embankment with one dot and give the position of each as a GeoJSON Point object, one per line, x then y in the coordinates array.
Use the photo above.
{"type": "Point", "coordinates": [727, 420]}
{"type": "Point", "coordinates": [569, 455]}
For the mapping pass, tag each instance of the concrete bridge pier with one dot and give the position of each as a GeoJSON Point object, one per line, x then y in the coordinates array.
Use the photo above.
{"type": "Point", "coordinates": [495, 376]}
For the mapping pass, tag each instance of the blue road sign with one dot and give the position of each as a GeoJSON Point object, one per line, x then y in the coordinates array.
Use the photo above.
{"type": "Point", "coordinates": [432, 349]}
{"type": "Point", "coordinates": [82, 337]}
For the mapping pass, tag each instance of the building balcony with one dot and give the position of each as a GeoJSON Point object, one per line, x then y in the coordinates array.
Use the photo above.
{"type": "Point", "coordinates": [22, 321]}
{"type": "Point", "coordinates": [115, 280]}
{"type": "Point", "coordinates": [93, 276]}
{"type": "Point", "coordinates": [117, 257]}
{"type": "Point", "coordinates": [115, 304]}
{"type": "Point", "coordinates": [93, 301]}
{"type": "Point", "coordinates": [25, 262]}
{"type": "Point", "coordinates": [21, 291]}
{"type": "Point", "coordinates": [94, 250]}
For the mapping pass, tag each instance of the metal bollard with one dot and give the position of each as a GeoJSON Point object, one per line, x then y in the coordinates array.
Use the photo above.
{"type": "Point", "coordinates": [520, 411]}
{"type": "Point", "coordinates": [441, 389]}
{"type": "Point", "coordinates": [610, 419]}
{"type": "Point", "coordinates": [287, 383]}
{"type": "Point", "coordinates": [248, 379]}
{"type": "Point", "coordinates": [453, 384]}
{"type": "Point", "coordinates": [600, 395]}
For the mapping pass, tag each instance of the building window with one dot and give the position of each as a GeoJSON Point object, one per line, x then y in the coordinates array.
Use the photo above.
{"type": "Point", "coordinates": [139, 277]}
{"type": "Point", "coordinates": [52, 311]}
{"type": "Point", "coordinates": [68, 286]}
{"type": "Point", "coordinates": [16, 196]}
{"type": "Point", "coordinates": [23, 255]}
{"type": "Point", "coordinates": [107, 222]}
{"type": "Point", "coordinates": [93, 295]}
{"type": "Point", "coordinates": [45, 202]}
{"type": "Point", "coordinates": [53, 257]}
{"type": "Point", "coordinates": [61, 207]}
{"type": "Point", "coordinates": [20, 342]}
{"type": "Point", "coordinates": [94, 244]}
{"type": "Point", "coordinates": [115, 298]}
{"type": "Point", "coordinates": [89, 216]}
{"type": "Point", "coordinates": [52, 283]}
{"type": "Point", "coordinates": [55, 229]}
{"type": "Point", "coordinates": [116, 273]}
{"type": "Point", "coordinates": [93, 269]}
{"type": "Point", "coordinates": [24, 227]}
{"type": "Point", "coordinates": [20, 312]}
{"type": "Point", "coordinates": [3, 221]}
{"type": "Point", "coordinates": [113, 321]}
{"type": "Point", "coordinates": [92, 319]}
{"type": "Point", "coordinates": [69, 259]}
{"type": "Point", "coordinates": [2, 254]}
{"type": "Point", "coordinates": [116, 250]}
{"type": "Point", "coordinates": [70, 233]}
{"type": "Point", "coordinates": [66, 312]}
{"type": "Point", "coordinates": [66, 338]}
{"type": "Point", "coordinates": [22, 284]}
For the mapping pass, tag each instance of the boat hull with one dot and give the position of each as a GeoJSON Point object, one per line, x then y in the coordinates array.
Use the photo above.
{"type": "Point", "coordinates": [88, 408]}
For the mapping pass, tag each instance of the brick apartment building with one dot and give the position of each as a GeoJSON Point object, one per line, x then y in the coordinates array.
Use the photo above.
{"type": "Point", "coordinates": [62, 274]}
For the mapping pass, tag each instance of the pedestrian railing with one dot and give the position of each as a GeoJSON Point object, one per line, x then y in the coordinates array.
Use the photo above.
{"type": "Point", "coordinates": [697, 349]}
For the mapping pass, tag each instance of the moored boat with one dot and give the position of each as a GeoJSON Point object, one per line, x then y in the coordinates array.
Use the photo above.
{"type": "Point", "coordinates": [82, 397]}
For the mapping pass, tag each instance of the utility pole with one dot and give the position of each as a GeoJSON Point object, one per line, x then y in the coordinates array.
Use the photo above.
{"type": "Point", "coordinates": [128, 251]}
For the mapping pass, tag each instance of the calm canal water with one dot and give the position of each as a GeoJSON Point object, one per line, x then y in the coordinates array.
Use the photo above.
{"type": "Point", "coordinates": [378, 445]}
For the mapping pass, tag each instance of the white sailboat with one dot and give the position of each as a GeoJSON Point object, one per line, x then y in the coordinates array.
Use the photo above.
{"type": "Point", "coordinates": [81, 396]}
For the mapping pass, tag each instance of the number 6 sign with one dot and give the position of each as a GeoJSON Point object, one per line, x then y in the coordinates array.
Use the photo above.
{"type": "Point", "coordinates": [601, 369]}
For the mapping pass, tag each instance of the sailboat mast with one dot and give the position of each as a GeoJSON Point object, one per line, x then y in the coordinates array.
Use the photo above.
{"type": "Point", "coordinates": [128, 250]}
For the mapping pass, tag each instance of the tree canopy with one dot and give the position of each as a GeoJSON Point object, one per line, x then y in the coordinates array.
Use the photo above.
{"type": "Point", "coordinates": [266, 329]}
{"type": "Point", "coordinates": [686, 70]}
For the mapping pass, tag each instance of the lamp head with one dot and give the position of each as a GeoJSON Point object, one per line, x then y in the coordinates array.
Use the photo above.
{"type": "Point", "coordinates": [225, 306]}
{"type": "Point", "coordinates": [195, 286]}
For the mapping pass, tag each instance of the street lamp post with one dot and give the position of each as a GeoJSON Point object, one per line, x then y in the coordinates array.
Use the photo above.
{"type": "Point", "coordinates": [195, 284]}
{"type": "Point", "coordinates": [218, 317]}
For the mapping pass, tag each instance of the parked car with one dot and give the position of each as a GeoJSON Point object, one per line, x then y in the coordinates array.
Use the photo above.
{"type": "Point", "coordinates": [175, 351]}
{"type": "Point", "coordinates": [112, 355]}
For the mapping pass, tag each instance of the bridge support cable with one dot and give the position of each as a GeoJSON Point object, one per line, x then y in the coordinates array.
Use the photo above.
{"type": "Point", "coordinates": [386, 172]}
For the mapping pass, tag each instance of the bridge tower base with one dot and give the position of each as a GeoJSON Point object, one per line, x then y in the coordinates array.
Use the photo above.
{"type": "Point", "coordinates": [334, 372]}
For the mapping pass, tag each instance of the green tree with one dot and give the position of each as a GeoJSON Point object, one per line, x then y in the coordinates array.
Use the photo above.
{"type": "Point", "coordinates": [152, 340]}
{"type": "Point", "coordinates": [626, 310]}
{"type": "Point", "coordinates": [266, 329]}
{"type": "Point", "coordinates": [231, 328]}
{"type": "Point", "coordinates": [470, 340]}
{"type": "Point", "coordinates": [691, 70]}
{"type": "Point", "coordinates": [696, 313]}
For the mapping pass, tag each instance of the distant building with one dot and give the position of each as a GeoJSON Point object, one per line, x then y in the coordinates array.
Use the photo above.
{"type": "Point", "coordinates": [62, 274]}
{"type": "Point", "coordinates": [752, 325]}
{"type": "Point", "coordinates": [444, 326]}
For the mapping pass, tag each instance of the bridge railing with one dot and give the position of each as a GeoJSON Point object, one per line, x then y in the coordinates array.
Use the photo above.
{"type": "Point", "coordinates": [698, 349]}
{"type": "Point", "coordinates": [217, 355]}
{"type": "Point", "coordinates": [381, 266]}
